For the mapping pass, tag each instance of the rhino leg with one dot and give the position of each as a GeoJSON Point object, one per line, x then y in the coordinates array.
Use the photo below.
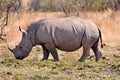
{"type": "Point", "coordinates": [96, 51]}
{"type": "Point", "coordinates": [86, 52]}
{"type": "Point", "coordinates": [45, 53]}
{"type": "Point", "coordinates": [51, 48]}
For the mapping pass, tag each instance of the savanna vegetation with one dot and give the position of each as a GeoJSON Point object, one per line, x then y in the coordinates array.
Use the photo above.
{"type": "Point", "coordinates": [104, 13]}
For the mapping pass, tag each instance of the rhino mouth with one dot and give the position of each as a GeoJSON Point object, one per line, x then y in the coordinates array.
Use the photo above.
{"type": "Point", "coordinates": [20, 57]}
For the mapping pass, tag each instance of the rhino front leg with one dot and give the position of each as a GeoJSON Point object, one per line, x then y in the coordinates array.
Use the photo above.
{"type": "Point", "coordinates": [86, 52]}
{"type": "Point", "coordinates": [51, 48]}
{"type": "Point", "coordinates": [45, 53]}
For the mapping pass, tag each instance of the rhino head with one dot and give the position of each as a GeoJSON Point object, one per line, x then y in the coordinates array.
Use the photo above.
{"type": "Point", "coordinates": [23, 49]}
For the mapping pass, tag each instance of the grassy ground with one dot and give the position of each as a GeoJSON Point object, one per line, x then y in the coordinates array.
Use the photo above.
{"type": "Point", "coordinates": [31, 68]}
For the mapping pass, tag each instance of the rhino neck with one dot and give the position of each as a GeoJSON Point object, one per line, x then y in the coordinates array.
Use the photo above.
{"type": "Point", "coordinates": [33, 30]}
{"type": "Point", "coordinates": [34, 36]}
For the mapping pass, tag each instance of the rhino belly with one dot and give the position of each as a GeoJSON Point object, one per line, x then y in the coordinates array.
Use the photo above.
{"type": "Point", "coordinates": [68, 47]}
{"type": "Point", "coordinates": [67, 42]}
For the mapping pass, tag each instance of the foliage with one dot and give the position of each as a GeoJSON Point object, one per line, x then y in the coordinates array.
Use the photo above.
{"type": "Point", "coordinates": [4, 4]}
{"type": "Point", "coordinates": [68, 5]}
{"type": "Point", "coordinates": [34, 5]}
{"type": "Point", "coordinates": [73, 7]}
{"type": "Point", "coordinates": [50, 5]}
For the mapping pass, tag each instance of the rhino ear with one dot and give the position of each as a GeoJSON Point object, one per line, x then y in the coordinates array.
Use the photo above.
{"type": "Point", "coordinates": [22, 30]}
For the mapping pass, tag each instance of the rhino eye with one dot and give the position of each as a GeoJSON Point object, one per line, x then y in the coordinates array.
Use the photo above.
{"type": "Point", "coordinates": [20, 47]}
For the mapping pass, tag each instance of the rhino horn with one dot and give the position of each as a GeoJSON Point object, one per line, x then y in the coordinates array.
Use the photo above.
{"type": "Point", "coordinates": [22, 30]}
{"type": "Point", "coordinates": [10, 49]}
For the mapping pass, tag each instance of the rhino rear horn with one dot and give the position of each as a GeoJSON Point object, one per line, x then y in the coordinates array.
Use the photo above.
{"type": "Point", "coordinates": [22, 30]}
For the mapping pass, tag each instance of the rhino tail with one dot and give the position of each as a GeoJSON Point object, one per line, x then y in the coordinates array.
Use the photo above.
{"type": "Point", "coordinates": [100, 37]}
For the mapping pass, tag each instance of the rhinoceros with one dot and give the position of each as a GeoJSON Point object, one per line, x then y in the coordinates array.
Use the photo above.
{"type": "Point", "coordinates": [66, 34]}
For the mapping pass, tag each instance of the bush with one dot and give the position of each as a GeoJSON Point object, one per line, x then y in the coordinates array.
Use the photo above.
{"type": "Point", "coordinates": [49, 5]}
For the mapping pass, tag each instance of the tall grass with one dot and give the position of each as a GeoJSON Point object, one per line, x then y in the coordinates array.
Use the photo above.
{"type": "Point", "coordinates": [108, 22]}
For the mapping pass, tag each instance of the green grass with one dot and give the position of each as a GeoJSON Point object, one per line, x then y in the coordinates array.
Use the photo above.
{"type": "Point", "coordinates": [66, 69]}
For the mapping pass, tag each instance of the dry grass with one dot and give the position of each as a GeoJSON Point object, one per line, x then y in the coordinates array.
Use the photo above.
{"type": "Point", "coordinates": [107, 21]}
{"type": "Point", "coordinates": [24, 20]}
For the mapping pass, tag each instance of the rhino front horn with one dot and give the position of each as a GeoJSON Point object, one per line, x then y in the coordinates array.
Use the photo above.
{"type": "Point", "coordinates": [10, 49]}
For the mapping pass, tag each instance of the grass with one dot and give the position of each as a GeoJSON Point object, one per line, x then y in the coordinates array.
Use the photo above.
{"type": "Point", "coordinates": [31, 68]}
{"type": "Point", "coordinates": [66, 69]}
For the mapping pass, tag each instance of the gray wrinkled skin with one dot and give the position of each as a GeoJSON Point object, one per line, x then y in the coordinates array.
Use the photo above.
{"type": "Point", "coordinates": [66, 34]}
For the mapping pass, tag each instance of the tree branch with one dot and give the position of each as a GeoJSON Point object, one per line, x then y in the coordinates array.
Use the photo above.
{"type": "Point", "coordinates": [6, 18]}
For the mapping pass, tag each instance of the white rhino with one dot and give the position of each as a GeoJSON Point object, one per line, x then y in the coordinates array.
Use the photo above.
{"type": "Point", "coordinates": [66, 34]}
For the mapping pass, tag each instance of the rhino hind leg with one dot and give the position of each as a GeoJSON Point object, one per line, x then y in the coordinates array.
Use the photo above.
{"type": "Point", "coordinates": [86, 52]}
{"type": "Point", "coordinates": [45, 53]}
{"type": "Point", "coordinates": [96, 51]}
{"type": "Point", "coordinates": [51, 48]}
